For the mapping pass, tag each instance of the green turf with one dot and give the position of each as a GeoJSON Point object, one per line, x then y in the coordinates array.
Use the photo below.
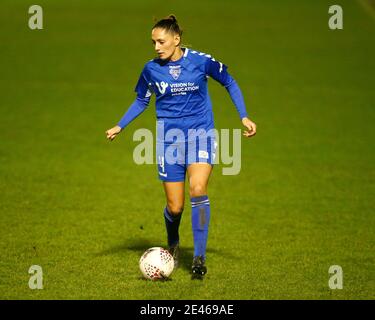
{"type": "Point", "coordinates": [78, 206]}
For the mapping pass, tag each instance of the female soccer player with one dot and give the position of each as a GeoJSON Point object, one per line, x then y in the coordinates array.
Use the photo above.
{"type": "Point", "coordinates": [178, 78]}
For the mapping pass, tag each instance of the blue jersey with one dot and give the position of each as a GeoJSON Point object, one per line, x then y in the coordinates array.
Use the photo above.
{"type": "Point", "coordinates": [180, 87]}
{"type": "Point", "coordinates": [183, 109]}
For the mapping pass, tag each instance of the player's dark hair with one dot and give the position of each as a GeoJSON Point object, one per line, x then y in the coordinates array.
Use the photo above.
{"type": "Point", "coordinates": [170, 24]}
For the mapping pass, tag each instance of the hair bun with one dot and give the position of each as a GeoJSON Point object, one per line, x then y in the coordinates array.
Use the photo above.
{"type": "Point", "coordinates": [172, 17]}
{"type": "Point", "coordinates": [170, 24]}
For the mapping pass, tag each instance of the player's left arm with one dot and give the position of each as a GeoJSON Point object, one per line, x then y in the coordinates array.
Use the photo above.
{"type": "Point", "coordinates": [219, 72]}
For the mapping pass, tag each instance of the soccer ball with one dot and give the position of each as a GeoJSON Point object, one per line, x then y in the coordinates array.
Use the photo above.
{"type": "Point", "coordinates": [156, 263]}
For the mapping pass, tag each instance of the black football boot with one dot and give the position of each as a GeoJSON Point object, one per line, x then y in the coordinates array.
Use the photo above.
{"type": "Point", "coordinates": [198, 269]}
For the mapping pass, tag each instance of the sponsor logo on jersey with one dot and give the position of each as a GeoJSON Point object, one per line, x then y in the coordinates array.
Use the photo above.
{"type": "Point", "coordinates": [162, 86]}
{"type": "Point", "coordinates": [181, 88]}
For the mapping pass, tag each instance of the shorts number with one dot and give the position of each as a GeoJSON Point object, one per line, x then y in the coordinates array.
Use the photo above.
{"type": "Point", "coordinates": [161, 162]}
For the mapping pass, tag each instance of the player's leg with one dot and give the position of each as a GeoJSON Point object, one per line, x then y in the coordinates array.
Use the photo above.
{"type": "Point", "coordinates": [175, 196]}
{"type": "Point", "coordinates": [199, 174]}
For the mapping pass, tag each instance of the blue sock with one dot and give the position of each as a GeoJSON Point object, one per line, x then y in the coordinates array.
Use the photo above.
{"type": "Point", "coordinates": [172, 223]}
{"type": "Point", "coordinates": [200, 219]}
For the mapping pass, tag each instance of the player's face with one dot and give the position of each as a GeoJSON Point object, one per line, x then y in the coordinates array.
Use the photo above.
{"type": "Point", "coordinates": [165, 43]}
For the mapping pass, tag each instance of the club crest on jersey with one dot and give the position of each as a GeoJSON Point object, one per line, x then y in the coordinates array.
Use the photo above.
{"type": "Point", "coordinates": [175, 71]}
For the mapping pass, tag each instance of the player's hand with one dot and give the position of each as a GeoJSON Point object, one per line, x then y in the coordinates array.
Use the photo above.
{"type": "Point", "coordinates": [250, 126]}
{"type": "Point", "coordinates": [113, 132]}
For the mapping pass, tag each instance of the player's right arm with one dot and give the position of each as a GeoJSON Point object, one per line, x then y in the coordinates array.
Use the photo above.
{"type": "Point", "coordinates": [137, 107]}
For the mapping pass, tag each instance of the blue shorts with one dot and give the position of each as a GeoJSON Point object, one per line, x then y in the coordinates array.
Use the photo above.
{"type": "Point", "coordinates": [183, 142]}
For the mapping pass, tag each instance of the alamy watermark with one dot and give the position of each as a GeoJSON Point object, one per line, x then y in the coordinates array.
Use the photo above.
{"type": "Point", "coordinates": [336, 280]}
{"type": "Point", "coordinates": [336, 20]}
{"type": "Point", "coordinates": [36, 20]}
{"type": "Point", "coordinates": [36, 280]}
{"type": "Point", "coordinates": [176, 146]}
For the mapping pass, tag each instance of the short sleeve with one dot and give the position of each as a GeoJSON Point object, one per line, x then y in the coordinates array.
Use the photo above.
{"type": "Point", "coordinates": [218, 71]}
{"type": "Point", "coordinates": [143, 88]}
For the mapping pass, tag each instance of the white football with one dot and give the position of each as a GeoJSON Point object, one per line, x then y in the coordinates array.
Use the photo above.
{"type": "Point", "coordinates": [156, 263]}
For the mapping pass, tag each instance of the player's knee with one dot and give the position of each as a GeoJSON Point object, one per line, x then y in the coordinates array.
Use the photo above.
{"type": "Point", "coordinates": [197, 190]}
{"type": "Point", "coordinates": [175, 209]}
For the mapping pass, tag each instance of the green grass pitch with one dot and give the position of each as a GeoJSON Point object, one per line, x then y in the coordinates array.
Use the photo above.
{"type": "Point", "coordinates": [78, 206]}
